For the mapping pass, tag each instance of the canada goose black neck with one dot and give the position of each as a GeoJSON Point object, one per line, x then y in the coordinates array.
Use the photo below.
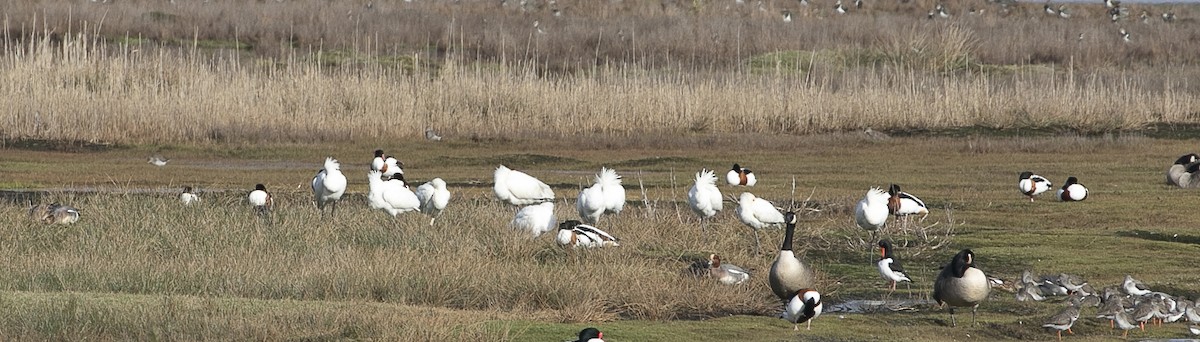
{"type": "Point", "coordinates": [790, 218]}
{"type": "Point", "coordinates": [962, 261]}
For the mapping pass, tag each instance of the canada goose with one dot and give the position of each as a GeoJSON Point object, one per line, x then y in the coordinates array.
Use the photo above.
{"type": "Point", "coordinates": [1032, 185]}
{"type": "Point", "coordinates": [188, 197]}
{"type": "Point", "coordinates": [1191, 176]}
{"type": "Point", "coordinates": [757, 213]}
{"type": "Point", "coordinates": [871, 213]}
{"type": "Point", "coordinates": [1064, 319]}
{"type": "Point", "coordinates": [328, 186]}
{"type": "Point", "coordinates": [576, 234]}
{"type": "Point", "coordinates": [1178, 170]}
{"type": "Point", "coordinates": [158, 160]}
{"type": "Point", "coordinates": [431, 135]}
{"type": "Point", "coordinates": [704, 197]}
{"type": "Point", "coordinates": [535, 219]}
{"type": "Point", "coordinates": [804, 306]}
{"type": "Point", "coordinates": [788, 273]}
{"type": "Point", "coordinates": [1072, 191]}
{"type": "Point", "coordinates": [904, 204]}
{"type": "Point", "coordinates": [61, 214]}
{"type": "Point", "coordinates": [1134, 287]}
{"type": "Point", "coordinates": [889, 265]}
{"type": "Point", "coordinates": [961, 284]}
{"type": "Point", "coordinates": [606, 195]}
{"type": "Point", "coordinates": [590, 335]}
{"type": "Point", "coordinates": [392, 196]}
{"type": "Point", "coordinates": [433, 197]}
{"type": "Point", "coordinates": [518, 188]}
{"type": "Point", "coordinates": [725, 273]}
{"type": "Point", "coordinates": [739, 175]}
{"type": "Point", "coordinates": [260, 199]}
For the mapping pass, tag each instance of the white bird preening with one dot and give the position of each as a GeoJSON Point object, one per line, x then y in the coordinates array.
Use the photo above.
{"type": "Point", "coordinates": [804, 307]}
{"type": "Point", "coordinates": [518, 188]}
{"type": "Point", "coordinates": [158, 160]}
{"type": "Point", "coordinates": [573, 233]}
{"type": "Point", "coordinates": [605, 196]}
{"type": "Point", "coordinates": [392, 196]}
{"type": "Point", "coordinates": [739, 175]}
{"type": "Point", "coordinates": [535, 219]}
{"type": "Point", "coordinates": [260, 199]}
{"type": "Point", "coordinates": [434, 197]}
{"type": "Point", "coordinates": [704, 197]}
{"type": "Point", "coordinates": [872, 211]}
{"type": "Point", "coordinates": [188, 196]}
{"type": "Point", "coordinates": [758, 214]}
{"type": "Point", "coordinates": [328, 186]}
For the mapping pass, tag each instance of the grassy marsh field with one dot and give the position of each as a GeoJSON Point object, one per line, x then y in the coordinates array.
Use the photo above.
{"type": "Point", "coordinates": [238, 93]}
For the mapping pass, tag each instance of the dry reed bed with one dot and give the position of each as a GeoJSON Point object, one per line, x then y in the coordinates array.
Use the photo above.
{"type": "Point", "coordinates": [79, 91]}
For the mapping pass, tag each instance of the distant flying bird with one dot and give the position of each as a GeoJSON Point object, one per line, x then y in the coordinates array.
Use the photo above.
{"type": "Point", "coordinates": [535, 219]}
{"type": "Point", "coordinates": [1032, 185]}
{"type": "Point", "coordinates": [434, 198]}
{"type": "Point", "coordinates": [158, 160]}
{"type": "Point", "coordinates": [739, 175]}
{"type": "Point", "coordinates": [605, 196]}
{"type": "Point", "coordinates": [1072, 190]}
{"type": "Point", "coordinates": [188, 197]}
{"type": "Point", "coordinates": [328, 186]}
{"type": "Point", "coordinates": [431, 136]}
{"type": "Point", "coordinates": [392, 196]}
{"type": "Point", "coordinates": [704, 197]}
{"type": "Point", "coordinates": [518, 188]}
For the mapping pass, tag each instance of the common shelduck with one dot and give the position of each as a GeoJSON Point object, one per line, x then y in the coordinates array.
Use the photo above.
{"type": "Point", "coordinates": [1064, 319]}
{"type": "Point", "coordinates": [961, 284]}
{"type": "Point", "coordinates": [61, 214]}
{"type": "Point", "coordinates": [788, 273]}
{"type": "Point", "coordinates": [889, 265]}
{"type": "Point", "coordinates": [804, 306]}
{"type": "Point", "coordinates": [573, 233]}
{"type": "Point", "coordinates": [158, 160]}
{"type": "Point", "coordinates": [188, 196]}
{"type": "Point", "coordinates": [758, 214]}
{"type": "Point", "coordinates": [1032, 185]}
{"type": "Point", "coordinates": [1178, 170]}
{"type": "Point", "coordinates": [328, 186]}
{"type": "Point", "coordinates": [740, 176]}
{"type": "Point", "coordinates": [725, 273]}
{"type": "Point", "coordinates": [704, 197]}
{"type": "Point", "coordinates": [387, 165]}
{"type": "Point", "coordinates": [904, 204]}
{"type": "Point", "coordinates": [434, 197]}
{"type": "Point", "coordinates": [393, 196]}
{"type": "Point", "coordinates": [590, 335]}
{"type": "Point", "coordinates": [605, 196]}
{"type": "Point", "coordinates": [871, 213]}
{"type": "Point", "coordinates": [535, 218]}
{"type": "Point", "coordinates": [518, 188]}
{"type": "Point", "coordinates": [260, 199]}
{"type": "Point", "coordinates": [1072, 191]}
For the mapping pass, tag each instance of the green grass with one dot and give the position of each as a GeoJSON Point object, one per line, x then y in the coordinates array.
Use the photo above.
{"type": "Point", "coordinates": [138, 266]}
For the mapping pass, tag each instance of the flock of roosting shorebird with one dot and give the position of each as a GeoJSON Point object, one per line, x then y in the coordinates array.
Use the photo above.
{"type": "Point", "coordinates": [959, 283]}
